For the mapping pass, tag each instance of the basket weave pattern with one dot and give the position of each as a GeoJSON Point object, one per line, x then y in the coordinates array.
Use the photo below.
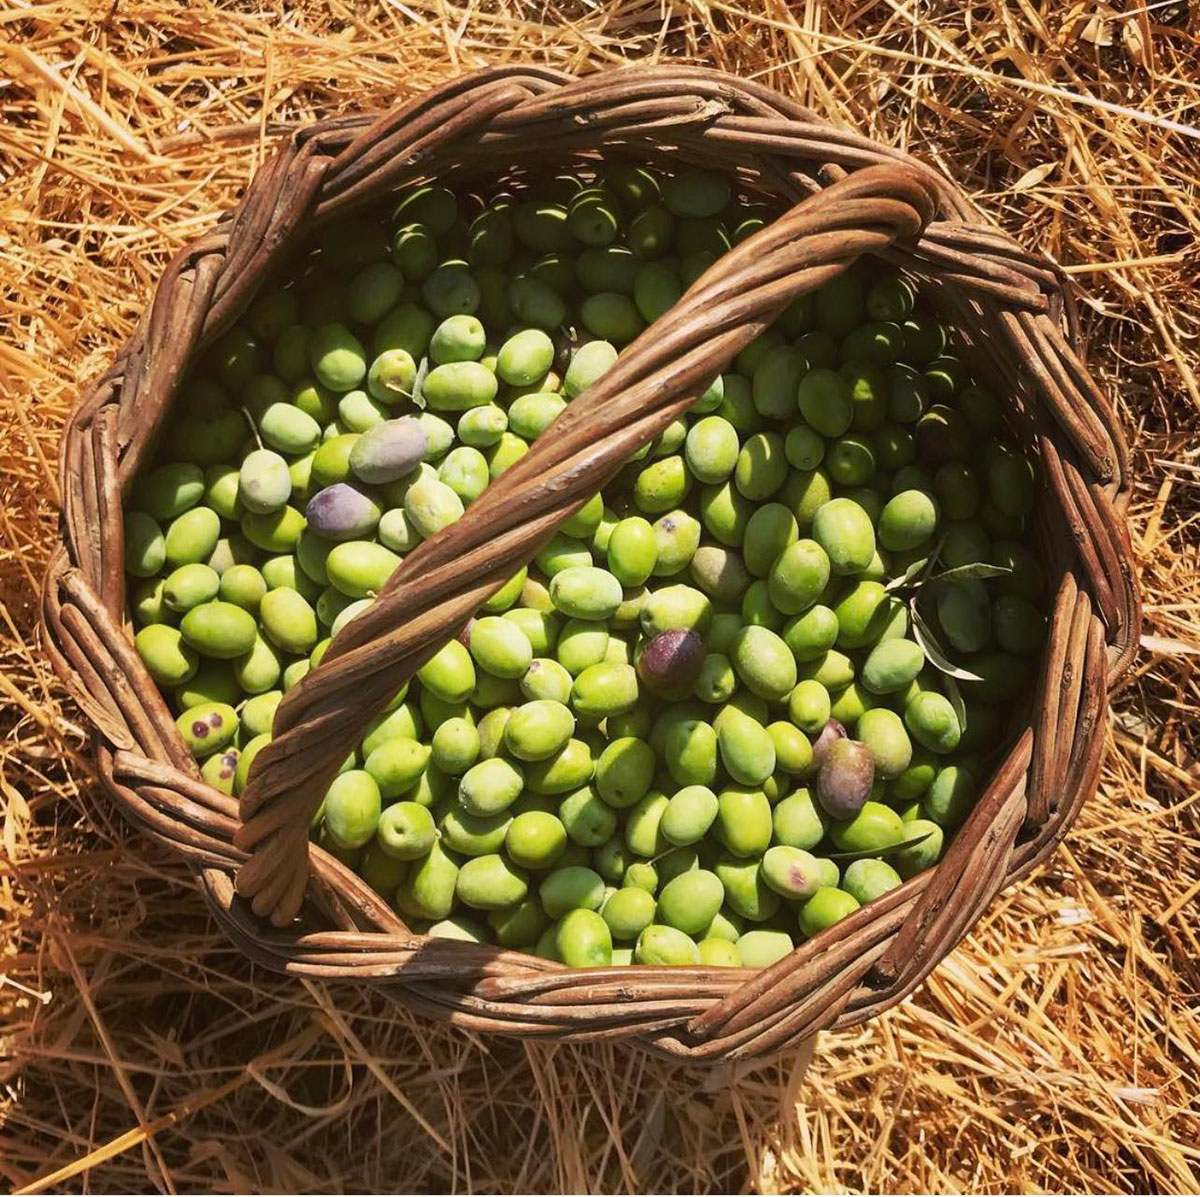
{"type": "Point", "coordinates": [848, 196]}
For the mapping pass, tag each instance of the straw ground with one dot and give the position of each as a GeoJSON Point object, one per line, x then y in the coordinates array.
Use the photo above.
{"type": "Point", "coordinates": [1056, 1049]}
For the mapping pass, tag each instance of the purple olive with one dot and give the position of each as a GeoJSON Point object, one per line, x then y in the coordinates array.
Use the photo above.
{"type": "Point", "coordinates": [669, 663]}
{"type": "Point", "coordinates": [832, 731]}
{"type": "Point", "coordinates": [342, 512]}
{"type": "Point", "coordinates": [845, 780]}
{"type": "Point", "coordinates": [389, 450]}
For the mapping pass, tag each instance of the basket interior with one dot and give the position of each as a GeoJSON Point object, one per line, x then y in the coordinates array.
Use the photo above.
{"type": "Point", "coordinates": [479, 186]}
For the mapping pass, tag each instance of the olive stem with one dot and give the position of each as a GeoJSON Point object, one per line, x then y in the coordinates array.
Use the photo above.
{"type": "Point", "coordinates": [253, 429]}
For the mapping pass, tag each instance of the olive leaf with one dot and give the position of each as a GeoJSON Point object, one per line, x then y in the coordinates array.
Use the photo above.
{"type": "Point", "coordinates": [954, 694]}
{"type": "Point", "coordinates": [917, 574]}
{"type": "Point", "coordinates": [908, 577]}
{"type": "Point", "coordinates": [418, 396]}
{"type": "Point", "coordinates": [865, 853]}
{"type": "Point", "coordinates": [396, 389]}
{"type": "Point", "coordinates": [934, 653]}
{"type": "Point", "coordinates": [976, 569]}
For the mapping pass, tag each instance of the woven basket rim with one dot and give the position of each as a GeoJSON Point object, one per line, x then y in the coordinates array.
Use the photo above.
{"type": "Point", "coordinates": [850, 197]}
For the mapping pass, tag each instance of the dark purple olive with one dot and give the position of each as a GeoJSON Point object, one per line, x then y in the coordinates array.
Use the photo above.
{"type": "Point", "coordinates": [669, 663]}
{"type": "Point", "coordinates": [942, 435]}
{"type": "Point", "coordinates": [342, 512]}
{"type": "Point", "coordinates": [832, 730]}
{"type": "Point", "coordinates": [845, 780]}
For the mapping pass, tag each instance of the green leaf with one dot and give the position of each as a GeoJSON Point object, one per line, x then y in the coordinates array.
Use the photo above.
{"type": "Point", "coordinates": [954, 694]}
{"type": "Point", "coordinates": [908, 577]}
{"type": "Point", "coordinates": [872, 852]}
{"type": "Point", "coordinates": [934, 653]}
{"type": "Point", "coordinates": [418, 396]}
{"type": "Point", "coordinates": [917, 574]}
{"type": "Point", "coordinates": [977, 569]}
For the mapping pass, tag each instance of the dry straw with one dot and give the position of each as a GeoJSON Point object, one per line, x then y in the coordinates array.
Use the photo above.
{"type": "Point", "coordinates": [1052, 1050]}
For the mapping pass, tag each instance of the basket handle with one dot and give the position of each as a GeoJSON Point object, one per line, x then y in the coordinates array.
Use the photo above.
{"type": "Point", "coordinates": [441, 584]}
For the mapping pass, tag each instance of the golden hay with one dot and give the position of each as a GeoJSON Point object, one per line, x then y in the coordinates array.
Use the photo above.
{"type": "Point", "coordinates": [1056, 1050]}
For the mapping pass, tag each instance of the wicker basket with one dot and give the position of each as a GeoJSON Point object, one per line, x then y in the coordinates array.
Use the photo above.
{"type": "Point", "coordinates": [253, 859]}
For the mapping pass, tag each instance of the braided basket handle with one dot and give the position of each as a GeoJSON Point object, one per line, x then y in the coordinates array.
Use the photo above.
{"type": "Point", "coordinates": [441, 584]}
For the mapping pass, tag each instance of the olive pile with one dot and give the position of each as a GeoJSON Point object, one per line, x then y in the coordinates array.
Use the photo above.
{"type": "Point", "coordinates": [748, 688]}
